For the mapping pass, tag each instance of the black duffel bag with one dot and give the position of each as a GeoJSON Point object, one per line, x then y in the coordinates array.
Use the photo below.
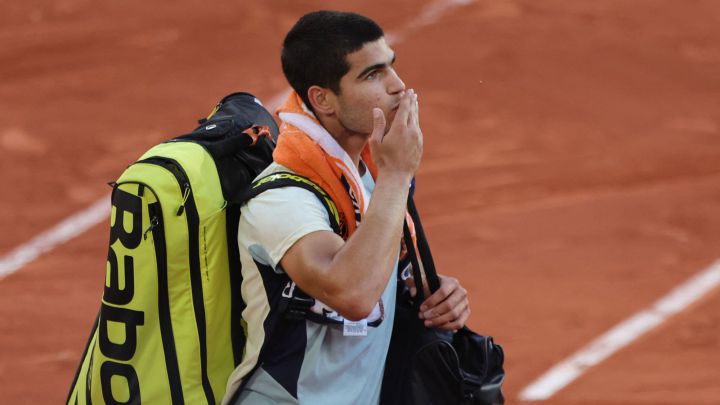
{"type": "Point", "coordinates": [431, 366]}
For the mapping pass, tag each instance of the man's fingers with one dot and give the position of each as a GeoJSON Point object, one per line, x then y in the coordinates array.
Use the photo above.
{"type": "Point", "coordinates": [450, 317]}
{"type": "Point", "coordinates": [456, 323]}
{"type": "Point", "coordinates": [454, 300]}
{"type": "Point", "coordinates": [448, 308]}
{"type": "Point", "coordinates": [378, 125]}
{"type": "Point", "coordinates": [413, 113]}
{"type": "Point", "coordinates": [416, 116]}
{"type": "Point", "coordinates": [436, 298]}
{"type": "Point", "coordinates": [415, 120]}
{"type": "Point", "coordinates": [403, 110]}
{"type": "Point", "coordinates": [447, 285]}
{"type": "Point", "coordinates": [377, 134]}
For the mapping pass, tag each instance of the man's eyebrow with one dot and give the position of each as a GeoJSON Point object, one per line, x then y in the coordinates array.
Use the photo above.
{"type": "Point", "coordinates": [376, 66]}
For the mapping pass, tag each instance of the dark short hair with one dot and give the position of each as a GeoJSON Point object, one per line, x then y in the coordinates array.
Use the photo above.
{"type": "Point", "coordinates": [315, 48]}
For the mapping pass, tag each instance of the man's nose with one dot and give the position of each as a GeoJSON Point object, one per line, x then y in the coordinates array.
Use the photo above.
{"type": "Point", "coordinates": [395, 85]}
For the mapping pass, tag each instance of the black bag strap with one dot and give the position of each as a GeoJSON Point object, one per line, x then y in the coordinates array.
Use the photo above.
{"type": "Point", "coordinates": [421, 255]}
{"type": "Point", "coordinates": [287, 179]}
{"type": "Point", "coordinates": [417, 276]}
{"type": "Point", "coordinates": [424, 247]}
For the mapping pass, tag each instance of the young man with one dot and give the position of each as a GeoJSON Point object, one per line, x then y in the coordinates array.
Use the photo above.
{"type": "Point", "coordinates": [349, 105]}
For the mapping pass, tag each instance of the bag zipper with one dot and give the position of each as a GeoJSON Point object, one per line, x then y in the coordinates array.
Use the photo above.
{"type": "Point", "coordinates": [166, 330]}
{"type": "Point", "coordinates": [193, 221]}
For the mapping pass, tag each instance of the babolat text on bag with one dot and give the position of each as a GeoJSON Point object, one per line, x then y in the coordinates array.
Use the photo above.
{"type": "Point", "coordinates": [169, 329]}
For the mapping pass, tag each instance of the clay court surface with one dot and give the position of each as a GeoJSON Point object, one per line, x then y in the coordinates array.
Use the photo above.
{"type": "Point", "coordinates": [571, 175]}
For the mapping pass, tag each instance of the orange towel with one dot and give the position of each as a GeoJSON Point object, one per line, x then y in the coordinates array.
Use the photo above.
{"type": "Point", "coordinates": [306, 148]}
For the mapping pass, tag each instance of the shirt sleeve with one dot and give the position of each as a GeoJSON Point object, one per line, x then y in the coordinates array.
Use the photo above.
{"type": "Point", "coordinates": [278, 218]}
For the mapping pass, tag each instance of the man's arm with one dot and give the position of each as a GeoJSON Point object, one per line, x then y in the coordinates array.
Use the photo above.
{"type": "Point", "coordinates": [350, 276]}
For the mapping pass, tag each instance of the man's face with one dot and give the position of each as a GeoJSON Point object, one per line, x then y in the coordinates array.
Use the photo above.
{"type": "Point", "coordinates": [371, 82]}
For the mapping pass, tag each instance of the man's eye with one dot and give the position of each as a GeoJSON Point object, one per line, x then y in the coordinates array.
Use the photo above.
{"type": "Point", "coordinates": [371, 76]}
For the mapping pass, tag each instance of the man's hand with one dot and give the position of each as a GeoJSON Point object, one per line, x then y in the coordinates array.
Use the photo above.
{"type": "Point", "coordinates": [448, 308]}
{"type": "Point", "coordinates": [400, 149]}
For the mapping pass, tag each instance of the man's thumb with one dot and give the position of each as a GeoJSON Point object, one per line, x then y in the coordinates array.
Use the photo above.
{"type": "Point", "coordinates": [378, 125]}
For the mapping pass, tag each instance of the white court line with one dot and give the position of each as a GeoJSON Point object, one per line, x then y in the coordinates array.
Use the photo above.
{"type": "Point", "coordinates": [622, 335]}
{"type": "Point", "coordinates": [57, 235]}
{"type": "Point", "coordinates": [99, 210]}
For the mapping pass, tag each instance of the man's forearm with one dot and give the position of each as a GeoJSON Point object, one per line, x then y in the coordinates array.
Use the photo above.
{"type": "Point", "coordinates": [366, 260]}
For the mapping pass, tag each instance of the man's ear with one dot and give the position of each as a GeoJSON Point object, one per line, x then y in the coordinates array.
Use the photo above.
{"type": "Point", "coordinates": [322, 100]}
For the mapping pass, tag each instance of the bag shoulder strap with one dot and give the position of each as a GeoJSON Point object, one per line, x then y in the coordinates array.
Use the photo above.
{"type": "Point", "coordinates": [287, 179]}
{"type": "Point", "coordinates": [422, 255]}
{"type": "Point", "coordinates": [424, 248]}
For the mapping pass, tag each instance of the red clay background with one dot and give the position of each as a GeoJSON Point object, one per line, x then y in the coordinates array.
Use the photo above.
{"type": "Point", "coordinates": [570, 179]}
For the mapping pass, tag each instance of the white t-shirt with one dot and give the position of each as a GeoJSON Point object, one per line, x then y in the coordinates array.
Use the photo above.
{"type": "Point", "coordinates": [300, 362]}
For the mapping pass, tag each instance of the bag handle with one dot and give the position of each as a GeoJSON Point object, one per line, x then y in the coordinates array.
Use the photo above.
{"type": "Point", "coordinates": [417, 276]}
{"type": "Point", "coordinates": [425, 256]}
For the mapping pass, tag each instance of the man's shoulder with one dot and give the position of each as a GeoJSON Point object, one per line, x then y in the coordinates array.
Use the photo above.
{"type": "Point", "coordinates": [271, 169]}
{"type": "Point", "coordinates": [283, 203]}
{"type": "Point", "coordinates": [277, 218]}
{"type": "Point", "coordinates": [281, 194]}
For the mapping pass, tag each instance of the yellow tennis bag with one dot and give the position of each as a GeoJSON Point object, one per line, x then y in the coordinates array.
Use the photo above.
{"type": "Point", "coordinates": [169, 329]}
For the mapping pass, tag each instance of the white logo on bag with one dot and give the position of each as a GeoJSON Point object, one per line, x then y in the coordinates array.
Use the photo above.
{"type": "Point", "coordinates": [289, 289]}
